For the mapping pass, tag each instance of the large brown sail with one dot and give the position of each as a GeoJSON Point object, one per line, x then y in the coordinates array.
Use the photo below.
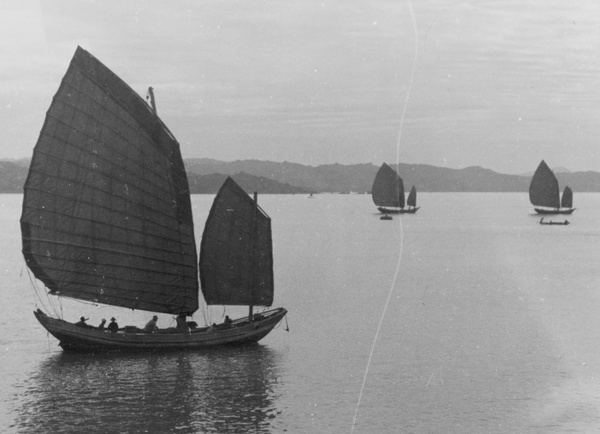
{"type": "Point", "coordinates": [106, 210]}
{"type": "Point", "coordinates": [543, 190]}
{"type": "Point", "coordinates": [236, 253]}
{"type": "Point", "coordinates": [388, 188]}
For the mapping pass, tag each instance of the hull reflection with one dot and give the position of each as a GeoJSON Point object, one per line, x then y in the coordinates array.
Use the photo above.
{"type": "Point", "coordinates": [225, 390]}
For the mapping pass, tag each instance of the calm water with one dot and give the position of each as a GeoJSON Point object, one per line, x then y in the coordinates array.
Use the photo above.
{"type": "Point", "coordinates": [492, 325]}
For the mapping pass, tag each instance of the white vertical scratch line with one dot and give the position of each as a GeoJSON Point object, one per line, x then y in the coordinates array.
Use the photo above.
{"type": "Point", "coordinates": [389, 297]}
{"type": "Point", "coordinates": [410, 83]}
{"type": "Point", "coordinates": [430, 378]}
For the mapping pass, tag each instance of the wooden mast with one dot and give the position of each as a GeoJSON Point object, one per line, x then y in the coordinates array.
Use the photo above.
{"type": "Point", "coordinates": [152, 102]}
{"type": "Point", "coordinates": [254, 241]}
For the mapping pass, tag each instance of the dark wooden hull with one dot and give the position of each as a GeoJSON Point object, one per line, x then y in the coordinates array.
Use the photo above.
{"type": "Point", "coordinates": [566, 222]}
{"type": "Point", "coordinates": [543, 211]}
{"type": "Point", "coordinates": [398, 210]}
{"type": "Point", "coordinates": [92, 340]}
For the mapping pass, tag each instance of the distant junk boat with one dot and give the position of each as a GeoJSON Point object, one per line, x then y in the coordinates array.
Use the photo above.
{"type": "Point", "coordinates": [107, 218]}
{"type": "Point", "coordinates": [544, 193]}
{"type": "Point", "coordinates": [388, 193]}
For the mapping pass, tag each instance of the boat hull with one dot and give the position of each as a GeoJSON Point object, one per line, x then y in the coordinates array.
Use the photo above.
{"type": "Point", "coordinates": [91, 340]}
{"type": "Point", "coordinates": [398, 210]}
{"type": "Point", "coordinates": [565, 223]}
{"type": "Point", "coordinates": [543, 211]}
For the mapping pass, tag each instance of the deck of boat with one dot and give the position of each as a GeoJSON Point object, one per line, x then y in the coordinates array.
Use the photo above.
{"type": "Point", "coordinates": [543, 211]}
{"type": "Point", "coordinates": [239, 332]}
{"type": "Point", "coordinates": [398, 210]}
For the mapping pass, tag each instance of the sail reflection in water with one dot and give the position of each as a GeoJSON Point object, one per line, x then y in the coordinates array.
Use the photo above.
{"type": "Point", "coordinates": [231, 390]}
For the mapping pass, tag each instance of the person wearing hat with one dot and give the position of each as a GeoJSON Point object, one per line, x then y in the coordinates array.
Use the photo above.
{"type": "Point", "coordinates": [81, 322]}
{"type": "Point", "coordinates": [113, 326]}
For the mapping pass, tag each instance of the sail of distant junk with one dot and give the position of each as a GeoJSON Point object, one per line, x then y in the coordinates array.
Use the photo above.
{"type": "Point", "coordinates": [107, 218]}
{"type": "Point", "coordinates": [544, 193]}
{"type": "Point", "coordinates": [388, 193]}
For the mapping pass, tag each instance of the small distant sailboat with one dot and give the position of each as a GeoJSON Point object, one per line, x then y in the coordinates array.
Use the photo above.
{"type": "Point", "coordinates": [544, 193]}
{"type": "Point", "coordinates": [388, 193]}
{"type": "Point", "coordinates": [107, 219]}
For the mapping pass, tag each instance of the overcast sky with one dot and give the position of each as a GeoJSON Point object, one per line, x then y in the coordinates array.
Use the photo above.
{"type": "Point", "coordinates": [498, 84]}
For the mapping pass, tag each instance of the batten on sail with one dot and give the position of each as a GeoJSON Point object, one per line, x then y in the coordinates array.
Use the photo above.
{"type": "Point", "coordinates": [106, 210]}
{"type": "Point", "coordinates": [236, 260]}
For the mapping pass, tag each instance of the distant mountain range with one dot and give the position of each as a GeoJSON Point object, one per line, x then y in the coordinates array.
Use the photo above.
{"type": "Point", "coordinates": [205, 176]}
{"type": "Point", "coordinates": [359, 177]}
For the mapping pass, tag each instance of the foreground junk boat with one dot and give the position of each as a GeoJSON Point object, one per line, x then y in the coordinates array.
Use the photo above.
{"type": "Point", "coordinates": [107, 218]}
{"type": "Point", "coordinates": [544, 193]}
{"type": "Point", "coordinates": [388, 193]}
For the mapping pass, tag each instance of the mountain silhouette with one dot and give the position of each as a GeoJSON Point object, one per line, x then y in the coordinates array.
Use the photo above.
{"type": "Point", "coordinates": [205, 176]}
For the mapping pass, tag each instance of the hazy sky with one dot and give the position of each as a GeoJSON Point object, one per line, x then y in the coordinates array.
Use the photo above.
{"type": "Point", "coordinates": [499, 84]}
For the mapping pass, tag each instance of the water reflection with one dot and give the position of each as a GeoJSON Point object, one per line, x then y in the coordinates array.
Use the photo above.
{"type": "Point", "coordinates": [229, 390]}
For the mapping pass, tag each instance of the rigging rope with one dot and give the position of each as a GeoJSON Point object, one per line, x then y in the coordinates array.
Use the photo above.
{"type": "Point", "coordinates": [35, 289]}
{"type": "Point", "coordinates": [389, 297]}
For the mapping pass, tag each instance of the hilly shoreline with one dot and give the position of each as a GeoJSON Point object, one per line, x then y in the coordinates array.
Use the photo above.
{"type": "Point", "coordinates": [206, 175]}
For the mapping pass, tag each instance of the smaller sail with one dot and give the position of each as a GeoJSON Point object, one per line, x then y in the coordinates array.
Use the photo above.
{"type": "Point", "coordinates": [388, 188]}
{"type": "Point", "coordinates": [236, 253]}
{"type": "Point", "coordinates": [543, 190]}
{"type": "Point", "coordinates": [412, 197]}
{"type": "Point", "coordinates": [567, 198]}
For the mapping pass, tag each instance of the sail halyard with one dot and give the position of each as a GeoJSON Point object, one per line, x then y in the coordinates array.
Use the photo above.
{"type": "Point", "coordinates": [236, 252]}
{"type": "Point", "coordinates": [543, 189]}
{"type": "Point", "coordinates": [106, 210]}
